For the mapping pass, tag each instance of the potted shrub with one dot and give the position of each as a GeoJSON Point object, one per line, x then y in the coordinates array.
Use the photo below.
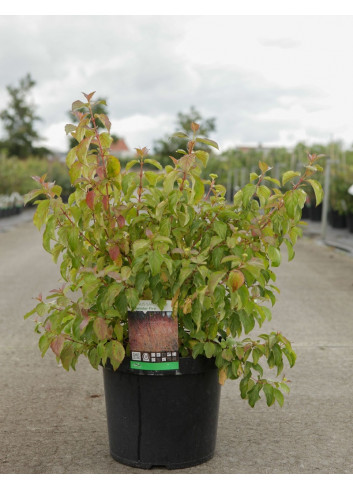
{"type": "Point", "coordinates": [168, 237]}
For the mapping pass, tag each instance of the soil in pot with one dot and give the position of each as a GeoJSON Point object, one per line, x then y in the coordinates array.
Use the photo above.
{"type": "Point", "coordinates": [165, 418]}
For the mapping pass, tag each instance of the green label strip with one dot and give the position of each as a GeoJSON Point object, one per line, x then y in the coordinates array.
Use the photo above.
{"type": "Point", "coordinates": [154, 366]}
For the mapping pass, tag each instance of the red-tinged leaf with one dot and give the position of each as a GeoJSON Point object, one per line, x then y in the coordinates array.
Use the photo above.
{"type": "Point", "coordinates": [121, 221]}
{"type": "Point", "coordinates": [48, 326]}
{"type": "Point", "coordinates": [114, 252]}
{"type": "Point", "coordinates": [195, 127]}
{"type": "Point", "coordinates": [57, 344]}
{"type": "Point", "coordinates": [178, 250]}
{"type": "Point", "coordinates": [58, 291]}
{"type": "Point", "coordinates": [235, 280]}
{"type": "Point", "coordinates": [115, 275]}
{"type": "Point", "coordinates": [90, 199]}
{"type": "Point", "coordinates": [37, 179]}
{"type": "Point", "coordinates": [142, 151]}
{"type": "Point", "coordinates": [100, 327]}
{"type": "Point", "coordinates": [174, 160]}
{"type": "Point", "coordinates": [84, 323]}
{"type": "Point", "coordinates": [89, 96]}
{"type": "Point", "coordinates": [100, 172]}
{"type": "Point", "coordinates": [40, 297]}
{"type": "Point", "coordinates": [105, 201]}
{"type": "Point", "coordinates": [104, 120]}
{"type": "Point", "coordinates": [149, 233]}
{"type": "Point", "coordinates": [78, 104]}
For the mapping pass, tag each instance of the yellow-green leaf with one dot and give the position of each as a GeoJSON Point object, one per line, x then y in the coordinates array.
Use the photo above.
{"type": "Point", "coordinates": [41, 213]}
{"type": "Point", "coordinates": [317, 190]}
{"type": "Point", "coordinates": [288, 175]}
{"type": "Point", "coordinates": [113, 167]}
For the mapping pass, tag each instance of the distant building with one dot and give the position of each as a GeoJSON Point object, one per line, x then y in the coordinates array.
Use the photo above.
{"type": "Point", "coordinates": [120, 149]}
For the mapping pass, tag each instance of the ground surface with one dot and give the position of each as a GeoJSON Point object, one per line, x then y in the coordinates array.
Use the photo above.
{"type": "Point", "coordinates": [52, 421]}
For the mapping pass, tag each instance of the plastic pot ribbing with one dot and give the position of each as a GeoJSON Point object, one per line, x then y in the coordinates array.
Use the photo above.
{"type": "Point", "coordinates": [163, 419]}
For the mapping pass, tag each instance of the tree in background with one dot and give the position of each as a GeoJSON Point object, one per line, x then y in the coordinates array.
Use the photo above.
{"type": "Point", "coordinates": [163, 148]}
{"type": "Point", "coordinates": [19, 119]}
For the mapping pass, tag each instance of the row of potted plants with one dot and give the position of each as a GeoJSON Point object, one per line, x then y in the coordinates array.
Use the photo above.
{"type": "Point", "coordinates": [11, 204]}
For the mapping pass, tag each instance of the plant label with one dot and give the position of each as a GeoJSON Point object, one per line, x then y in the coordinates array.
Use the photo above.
{"type": "Point", "coordinates": [153, 337]}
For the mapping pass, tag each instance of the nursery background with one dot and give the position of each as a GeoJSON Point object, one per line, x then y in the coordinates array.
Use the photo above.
{"type": "Point", "coordinates": [266, 88]}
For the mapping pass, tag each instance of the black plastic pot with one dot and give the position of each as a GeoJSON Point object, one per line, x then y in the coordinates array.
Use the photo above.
{"type": "Point", "coordinates": [305, 212]}
{"type": "Point", "coordinates": [350, 222]}
{"type": "Point", "coordinates": [337, 220]}
{"type": "Point", "coordinates": [315, 213]}
{"type": "Point", "coordinates": [164, 418]}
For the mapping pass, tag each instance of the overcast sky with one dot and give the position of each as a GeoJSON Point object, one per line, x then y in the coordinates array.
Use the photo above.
{"type": "Point", "coordinates": [267, 79]}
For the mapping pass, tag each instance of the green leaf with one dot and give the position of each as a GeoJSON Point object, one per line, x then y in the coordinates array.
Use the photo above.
{"type": "Point", "coordinates": [291, 252]}
{"type": "Point", "coordinates": [132, 298]}
{"type": "Point", "coordinates": [82, 149]}
{"type": "Point", "coordinates": [94, 357]}
{"type": "Point", "coordinates": [184, 274]}
{"type": "Point", "coordinates": [317, 190]}
{"type": "Point", "coordinates": [131, 163]}
{"type": "Point", "coordinates": [67, 354]}
{"type": "Point", "coordinates": [199, 190]}
{"type": "Point", "coordinates": [180, 134]}
{"type": "Point", "coordinates": [238, 198]}
{"type": "Point", "coordinates": [269, 393]}
{"type": "Point", "coordinates": [72, 238]}
{"type": "Point", "coordinates": [32, 195]}
{"type": "Point", "coordinates": [254, 394]}
{"type": "Point", "coordinates": [247, 193]}
{"type": "Point", "coordinates": [278, 396]}
{"type": "Point", "coordinates": [196, 313]}
{"type": "Point", "coordinates": [263, 193]}
{"type": "Point", "coordinates": [152, 177]}
{"type": "Point", "coordinates": [105, 139]}
{"type": "Point", "coordinates": [288, 175]}
{"type": "Point", "coordinates": [44, 343]}
{"type": "Point", "coordinates": [41, 213]}
{"type": "Point", "coordinates": [113, 167]}
{"type": "Point", "coordinates": [274, 255]}
{"type": "Point", "coordinates": [169, 180]}
{"type": "Point", "coordinates": [214, 279]}
{"type": "Point", "coordinates": [263, 166]}
{"type": "Point", "coordinates": [273, 180]}
{"type": "Point", "coordinates": [207, 141]}
{"type": "Point", "coordinates": [197, 349]}
{"type": "Point", "coordinates": [154, 163]}
{"type": "Point", "coordinates": [155, 260]}
{"type": "Point", "coordinates": [235, 324]}
{"type": "Point", "coordinates": [140, 246]}
{"type": "Point", "coordinates": [70, 128]}
{"type": "Point", "coordinates": [203, 156]}
{"type": "Point", "coordinates": [210, 349]}
{"type": "Point", "coordinates": [220, 228]}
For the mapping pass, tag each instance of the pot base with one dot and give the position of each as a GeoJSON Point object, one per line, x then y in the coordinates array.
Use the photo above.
{"type": "Point", "coordinates": [168, 466]}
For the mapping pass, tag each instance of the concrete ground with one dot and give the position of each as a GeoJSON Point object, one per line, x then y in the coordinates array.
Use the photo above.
{"type": "Point", "coordinates": [52, 421]}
